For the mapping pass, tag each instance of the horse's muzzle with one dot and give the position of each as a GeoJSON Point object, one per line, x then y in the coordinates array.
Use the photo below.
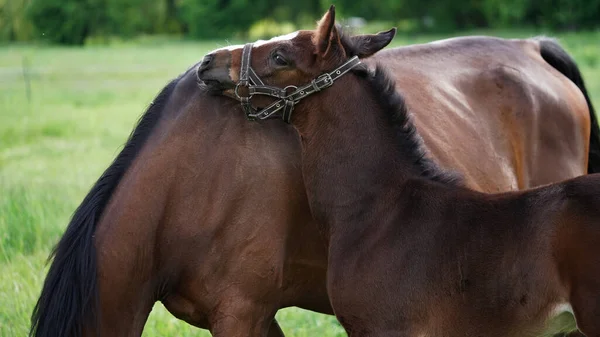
{"type": "Point", "coordinates": [214, 72]}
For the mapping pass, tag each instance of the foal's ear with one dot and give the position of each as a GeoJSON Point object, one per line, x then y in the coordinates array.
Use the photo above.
{"type": "Point", "coordinates": [327, 38]}
{"type": "Point", "coordinates": [369, 44]}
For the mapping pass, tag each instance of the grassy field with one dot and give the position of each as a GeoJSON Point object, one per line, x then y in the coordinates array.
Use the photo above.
{"type": "Point", "coordinates": [65, 112]}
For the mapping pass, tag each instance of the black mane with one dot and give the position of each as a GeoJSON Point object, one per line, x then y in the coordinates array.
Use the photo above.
{"type": "Point", "coordinates": [398, 116]}
{"type": "Point", "coordinates": [69, 297]}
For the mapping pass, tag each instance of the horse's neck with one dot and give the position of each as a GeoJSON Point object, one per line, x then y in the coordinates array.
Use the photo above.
{"type": "Point", "coordinates": [350, 159]}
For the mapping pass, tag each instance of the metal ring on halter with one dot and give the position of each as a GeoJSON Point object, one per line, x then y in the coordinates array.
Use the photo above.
{"type": "Point", "coordinates": [285, 90]}
{"type": "Point", "coordinates": [237, 94]}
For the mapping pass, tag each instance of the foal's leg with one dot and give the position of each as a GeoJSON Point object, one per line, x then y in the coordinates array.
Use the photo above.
{"type": "Point", "coordinates": [580, 251]}
{"type": "Point", "coordinates": [586, 305]}
{"type": "Point", "coordinates": [584, 266]}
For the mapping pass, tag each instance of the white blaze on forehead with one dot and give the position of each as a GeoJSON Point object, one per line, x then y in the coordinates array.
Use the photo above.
{"type": "Point", "coordinates": [285, 37]}
{"type": "Point", "coordinates": [259, 43]}
{"type": "Point", "coordinates": [230, 48]}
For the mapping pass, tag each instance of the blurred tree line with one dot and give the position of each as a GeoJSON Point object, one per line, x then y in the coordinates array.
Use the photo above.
{"type": "Point", "coordinates": [73, 21]}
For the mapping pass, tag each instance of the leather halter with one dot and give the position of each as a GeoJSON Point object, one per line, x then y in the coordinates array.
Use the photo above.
{"type": "Point", "coordinates": [286, 102]}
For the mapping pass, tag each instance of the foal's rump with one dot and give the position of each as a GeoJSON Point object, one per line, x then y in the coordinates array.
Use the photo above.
{"type": "Point", "coordinates": [499, 101]}
{"type": "Point", "coordinates": [496, 264]}
{"type": "Point", "coordinates": [577, 250]}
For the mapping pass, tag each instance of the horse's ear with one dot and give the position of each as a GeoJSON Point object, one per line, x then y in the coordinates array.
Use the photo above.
{"type": "Point", "coordinates": [327, 37]}
{"type": "Point", "coordinates": [369, 44]}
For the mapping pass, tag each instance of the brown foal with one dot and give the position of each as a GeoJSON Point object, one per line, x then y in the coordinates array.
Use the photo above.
{"type": "Point", "coordinates": [412, 250]}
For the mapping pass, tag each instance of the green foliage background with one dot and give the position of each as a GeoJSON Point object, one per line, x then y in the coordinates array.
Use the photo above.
{"type": "Point", "coordinates": [76, 21]}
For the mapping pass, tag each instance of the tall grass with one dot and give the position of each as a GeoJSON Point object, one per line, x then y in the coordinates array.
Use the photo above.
{"type": "Point", "coordinates": [82, 105]}
{"type": "Point", "coordinates": [31, 220]}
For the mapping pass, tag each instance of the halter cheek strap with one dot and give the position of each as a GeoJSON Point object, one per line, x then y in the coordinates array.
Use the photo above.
{"type": "Point", "coordinates": [287, 99]}
{"type": "Point", "coordinates": [247, 78]}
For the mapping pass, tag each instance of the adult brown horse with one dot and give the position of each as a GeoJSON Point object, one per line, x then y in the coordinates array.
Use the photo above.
{"type": "Point", "coordinates": [201, 211]}
{"type": "Point", "coordinates": [207, 213]}
{"type": "Point", "coordinates": [411, 251]}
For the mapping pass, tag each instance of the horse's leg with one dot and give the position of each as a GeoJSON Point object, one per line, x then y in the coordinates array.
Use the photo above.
{"type": "Point", "coordinates": [239, 328]}
{"type": "Point", "coordinates": [232, 319]}
{"type": "Point", "coordinates": [126, 283]}
{"type": "Point", "coordinates": [232, 302]}
{"type": "Point", "coordinates": [125, 303]}
{"type": "Point", "coordinates": [244, 319]}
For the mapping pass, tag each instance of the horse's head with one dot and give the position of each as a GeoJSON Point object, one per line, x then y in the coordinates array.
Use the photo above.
{"type": "Point", "coordinates": [280, 66]}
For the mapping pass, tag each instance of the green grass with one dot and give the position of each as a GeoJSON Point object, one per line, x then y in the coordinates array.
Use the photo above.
{"type": "Point", "coordinates": [84, 103]}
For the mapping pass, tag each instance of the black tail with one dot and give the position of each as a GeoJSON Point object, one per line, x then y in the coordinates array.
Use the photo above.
{"type": "Point", "coordinates": [557, 57]}
{"type": "Point", "coordinates": [69, 298]}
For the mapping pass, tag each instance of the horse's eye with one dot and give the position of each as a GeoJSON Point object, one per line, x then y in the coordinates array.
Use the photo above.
{"type": "Point", "coordinates": [279, 60]}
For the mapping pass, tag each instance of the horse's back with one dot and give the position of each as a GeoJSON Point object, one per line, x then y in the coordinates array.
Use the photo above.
{"type": "Point", "coordinates": [494, 110]}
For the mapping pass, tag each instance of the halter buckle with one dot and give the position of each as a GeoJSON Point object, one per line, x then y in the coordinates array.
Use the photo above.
{"type": "Point", "coordinates": [324, 78]}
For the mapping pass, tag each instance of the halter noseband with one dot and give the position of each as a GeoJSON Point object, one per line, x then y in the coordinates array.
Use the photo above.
{"type": "Point", "coordinates": [249, 79]}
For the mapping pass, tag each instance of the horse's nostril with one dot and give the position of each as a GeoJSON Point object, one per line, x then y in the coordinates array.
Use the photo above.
{"type": "Point", "coordinates": [207, 61]}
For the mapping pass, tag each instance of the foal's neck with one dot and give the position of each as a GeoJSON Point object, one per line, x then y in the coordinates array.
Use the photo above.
{"type": "Point", "coordinates": [354, 154]}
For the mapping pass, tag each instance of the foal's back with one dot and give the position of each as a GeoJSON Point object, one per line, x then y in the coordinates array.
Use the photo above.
{"type": "Point", "coordinates": [454, 262]}
{"type": "Point", "coordinates": [495, 100]}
